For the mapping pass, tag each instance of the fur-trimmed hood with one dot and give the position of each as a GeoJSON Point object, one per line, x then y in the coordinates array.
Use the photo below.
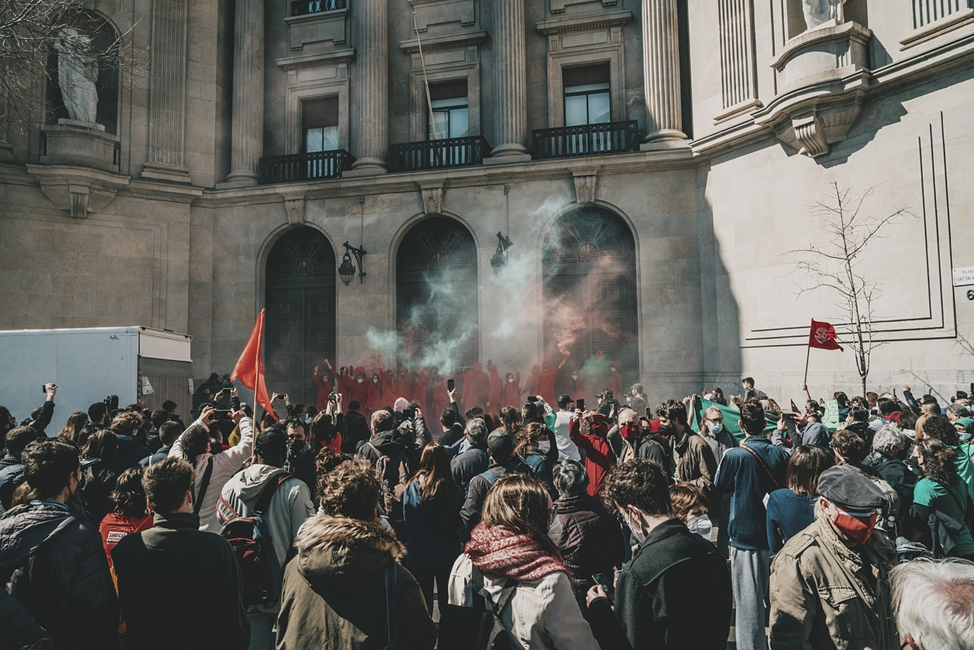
{"type": "Point", "coordinates": [338, 548]}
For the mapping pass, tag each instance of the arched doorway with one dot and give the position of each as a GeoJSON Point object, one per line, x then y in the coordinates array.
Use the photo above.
{"type": "Point", "coordinates": [591, 310]}
{"type": "Point", "coordinates": [436, 295]}
{"type": "Point", "coordinates": [300, 303]}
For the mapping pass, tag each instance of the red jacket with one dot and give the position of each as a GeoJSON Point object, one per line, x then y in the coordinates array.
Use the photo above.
{"type": "Point", "coordinates": [599, 457]}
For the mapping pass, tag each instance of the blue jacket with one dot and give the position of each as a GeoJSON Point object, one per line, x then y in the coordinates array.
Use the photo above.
{"type": "Point", "coordinates": [432, 526]}
{"type": "Point", "coordinates": [747, 481]}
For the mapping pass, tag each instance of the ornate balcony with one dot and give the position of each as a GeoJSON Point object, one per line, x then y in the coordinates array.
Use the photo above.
{"type": "Point", "coordinates": [317, 165]}
{"type": "Point", "coordinates": [587, 140]}
{"type": "Point", "coordinates": [438, 154]}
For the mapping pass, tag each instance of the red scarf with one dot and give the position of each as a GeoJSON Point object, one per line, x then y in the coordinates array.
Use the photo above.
{"type": "Point", "coordinates": [503, 552]}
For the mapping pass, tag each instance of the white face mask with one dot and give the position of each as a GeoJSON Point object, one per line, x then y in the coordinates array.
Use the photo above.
{"type": "Point", "coordinates": [555, 530]}
{"type": "Point", "coordinates": [636, 532]}
{"type": "Point", "coordinates": [544, 446]}
{"type": "Point", "coordinates": [360, 380]}
{"type": "Point", "coordinates": [701, 526]}
{"type": "Point", "coordinates": [510, 380]}
{"type": "Point", "coordinates": [716, 428]}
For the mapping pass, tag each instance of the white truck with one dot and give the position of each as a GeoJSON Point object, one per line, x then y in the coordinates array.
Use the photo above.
{"type": "Point", "coordinates": [139, 364]}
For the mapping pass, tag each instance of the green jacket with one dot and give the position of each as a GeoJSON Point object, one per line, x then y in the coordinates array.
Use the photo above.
{"type": "Point", "coordinates": [334, 590]}
{"type": "Point", "coordinates": [827, 596]}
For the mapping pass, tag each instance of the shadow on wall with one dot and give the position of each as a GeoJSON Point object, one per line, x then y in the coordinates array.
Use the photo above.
{"type": "Point", "coordinates": [720, 323]}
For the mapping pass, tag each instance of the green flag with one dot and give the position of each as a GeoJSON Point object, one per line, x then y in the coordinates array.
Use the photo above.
{"type": "Point", "coordinates": [732, 418]}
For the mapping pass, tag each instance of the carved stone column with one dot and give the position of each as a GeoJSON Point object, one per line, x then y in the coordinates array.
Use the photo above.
{"type": "Point", "coordinates": [511, 130]}
{"type": "Point", "coordinates": [247, 126]}
{"type": "Point", "coordinates": [167, 99]}
{"type": "Point", "coordinates": [370, 124]}
{"type": "Point", "coordinates": [661, 73]}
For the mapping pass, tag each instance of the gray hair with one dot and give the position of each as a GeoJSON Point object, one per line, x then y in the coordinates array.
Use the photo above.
{"type": "Point", "coordinates": [476, 432]}
{"type": "Point", "coordinates": [637, 387]}
{"type": "Point", "coordinates": [933, 601]}
{"type": "Point", "coordinates": [888, 436]}
{"type": "Point", "coordinates": [958, 409]}
{"type": "Point", "coordinates": [569, 478]}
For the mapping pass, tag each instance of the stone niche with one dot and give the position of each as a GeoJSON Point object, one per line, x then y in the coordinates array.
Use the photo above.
{"type": "Point", "coordinates": [821, 54]}
{"type": "Point", "coordinates": [80, 143]}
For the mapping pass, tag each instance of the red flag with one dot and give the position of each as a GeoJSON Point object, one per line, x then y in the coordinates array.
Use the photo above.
{"type": "Point", "coordinates": [250, 369]}
{"type": "Point", "coordinates": [823, 337]}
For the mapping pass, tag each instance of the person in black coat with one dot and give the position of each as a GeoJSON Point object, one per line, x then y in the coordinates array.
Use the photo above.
{"type": "Point", "coordinates": [676, 591]}
{"type": "Point", "coordinates": [356, 429]}
{"type": "Point", "coordinates": [54, 559]}
{"type": "Point", "coordinates": [179, 587]}
{"type": "Point", "coordinates": [587, 535]}
{"type": "Point", "coordinates": [18, 629]}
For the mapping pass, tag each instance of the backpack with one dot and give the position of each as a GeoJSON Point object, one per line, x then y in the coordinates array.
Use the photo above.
{"type": "Point", "coordinates": [394, 473]}
{"type": "Point", "coordinates": [261, 574]}
{"type": "Point", "coordinates": [478, 627]}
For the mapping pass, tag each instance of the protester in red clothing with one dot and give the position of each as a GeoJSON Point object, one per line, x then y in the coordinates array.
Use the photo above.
{"type": "Point", "coordinates": [359, 391]}
{"type": "Point", "coordinates": [476, 383]}
{"type": "Point", "coordinates": [511, 391]}
{"type": "Point", "coordinates": [324, 388]}
{"type": "Point", "coordinates": [533, 384]}
{"type": "Point", "coordinates": [588, 431]}
{"type": "Point", "coordinates": [376, 397]}
{"type": "Point", "coordinates": [496, 386]}
{"type": "Point", "coordinates": [548, 376]}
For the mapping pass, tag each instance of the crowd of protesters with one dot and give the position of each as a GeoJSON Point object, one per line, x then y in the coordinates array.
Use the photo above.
{"type": "Point", "coordinates": [548, 525]}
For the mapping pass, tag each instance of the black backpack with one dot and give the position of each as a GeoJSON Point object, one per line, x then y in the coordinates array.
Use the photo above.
{"type": "Point", "coordinates": [394, 472]}
{"type": "Point", "coordinates": [478, 627]}
{"type": "Point", "coordinates": [261, 575]}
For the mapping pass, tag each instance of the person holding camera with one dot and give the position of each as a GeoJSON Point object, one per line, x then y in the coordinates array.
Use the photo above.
{"type": "Point", "coordinates": [212, 471]}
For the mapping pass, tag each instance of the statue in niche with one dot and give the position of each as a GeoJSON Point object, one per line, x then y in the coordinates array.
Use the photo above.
{"type": "Point", "coordinates": [77, 72]}
{"type": "Point", "coordinates": [820, 12]}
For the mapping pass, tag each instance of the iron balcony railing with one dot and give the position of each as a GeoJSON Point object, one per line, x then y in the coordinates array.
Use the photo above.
{"type": "Point", "coordinates": [313, 166]}
{"type": "Point", "coordinates": [437, 154]}
{"type": "Point", "coordinates": [305, 7]}
{"type": "Point", "coordinates": [587, 140]}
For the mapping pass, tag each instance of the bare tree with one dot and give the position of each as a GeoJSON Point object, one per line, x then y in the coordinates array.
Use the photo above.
{"type": "Point", "coordinates": [836, 266]}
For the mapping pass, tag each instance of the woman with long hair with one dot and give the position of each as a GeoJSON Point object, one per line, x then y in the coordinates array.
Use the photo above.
{"type": "Point", "coordinates": [431, 508]}
{"type": "Point", "coordinates": [792, 509]}
{"type": "Point", "coordinates": [539, 451]}
{"type": "Point", "coordinates": [98, 476]}
{"type": "Point", "coordinates": [76, 422]}
{"type": "Point", "coordinates": [129, 515]}
{"type": "Point", "coordinates": [511, 551]}
{"type": "Point", "coordinates": [941, 502]}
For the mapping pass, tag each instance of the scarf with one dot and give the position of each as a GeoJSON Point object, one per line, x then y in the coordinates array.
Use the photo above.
{"type": "Point", "coordinates": [510, 555]}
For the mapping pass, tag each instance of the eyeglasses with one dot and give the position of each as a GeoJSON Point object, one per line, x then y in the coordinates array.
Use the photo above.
{"type": "Point", "coordinates": [715, 419]}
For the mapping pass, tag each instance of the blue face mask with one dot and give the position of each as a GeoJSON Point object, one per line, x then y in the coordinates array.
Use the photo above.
{"type": "Point", "coordinates": [716, 428]}
{"type": "Point", "coordinates": [964, 437]}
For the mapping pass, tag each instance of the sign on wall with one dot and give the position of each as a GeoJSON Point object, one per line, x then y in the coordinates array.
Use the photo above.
{"type": "Point", "coordinates": [964, 276]}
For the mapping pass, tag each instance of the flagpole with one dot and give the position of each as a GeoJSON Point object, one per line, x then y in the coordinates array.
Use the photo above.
{"type": "Point", "coordinates": [808, 354]}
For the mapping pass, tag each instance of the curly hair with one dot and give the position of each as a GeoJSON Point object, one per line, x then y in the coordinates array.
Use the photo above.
{"type": "Point", "coordinates": [752, 417]}
{"type": "Point", "coordinates": [350, 490]}
{"type": "Point", "coordinates": [940, 428]}
{"type": "Point", "coordinates": [520, 503]}
{"type": "Point", "coordinates": [939, 461]}
{"type": "Point", "coordinates": [672, 410]}
{"type": "Point", "coordinates": [849, 445]}
{"type": "Point", "coordinates": [127, 423]}
{"type": "Point", "coordinates": [166, 484]}
{"type": "Point", "coordinates": [129, 495]}
{"type": "Point", "coordinates": [640, 483]}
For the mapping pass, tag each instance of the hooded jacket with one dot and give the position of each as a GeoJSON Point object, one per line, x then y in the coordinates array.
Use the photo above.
{"type": "Point", "coordinates": [67, 587]}
{"type": "Point", "coordinates": [334, 590]}
{"type": "Point", "coordinates": [290, 506]}
{"type": "Point", "coordinates": [599, 457]}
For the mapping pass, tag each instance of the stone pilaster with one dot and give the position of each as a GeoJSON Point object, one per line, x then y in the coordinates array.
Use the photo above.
{"type": "Point", "coordinates": [247, 128]}
{"type": "Point", "coordinates": [167, 98]}
{"type": "Point", "coordinates": [370, 125]}
{"type": "Point", "coordinates": [511, 130]}
{"type": "Point", "coordinates": [661, 73]}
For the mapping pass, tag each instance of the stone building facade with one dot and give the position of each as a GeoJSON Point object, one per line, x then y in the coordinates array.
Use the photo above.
{"type": "Point", "coordinates": [654, 164]}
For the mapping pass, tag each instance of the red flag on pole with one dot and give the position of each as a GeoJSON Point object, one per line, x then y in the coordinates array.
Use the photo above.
{"type": "Point", "coordinates": [822, 336]}
{"type": "Point", "coordinates": [250, 369]}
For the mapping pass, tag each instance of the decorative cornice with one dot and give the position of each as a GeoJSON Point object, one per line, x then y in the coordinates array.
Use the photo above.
{"type": "Point", "coordinates": [451, 42]}
{"type": "Point", "coordinates": [584, 22]}
{"type": "Point", "coordinates": [316, 60]}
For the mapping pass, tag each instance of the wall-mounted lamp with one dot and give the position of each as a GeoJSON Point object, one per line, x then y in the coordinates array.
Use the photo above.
{"type": "Point", "coordinates": [347, 270]}
{"type": "Point", "coordinates": [499, 259]}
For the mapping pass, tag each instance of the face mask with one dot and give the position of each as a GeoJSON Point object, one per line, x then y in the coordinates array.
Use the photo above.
{"type": "Point", "coordinates": [574, 376]}
{"type": "Point", "coordinates": [360, 380]}
{"type": "Point", "coordinates": [544, 446]}
{"type": "Point", "coordinates": [701, 526]}
{"type": "Point", "coordinates": [510, 380]}
{"type": "Point", "coordinates": [666, 430]}
{"type": "Point", "coordinates": [555, 530]}
{"type": "Point", "coordinates": [636, 532]}
{"type": "Point", "coordinates": [858, 529]}
{"type": "Point", "coordinates": [964, 437]}
{"type": "Point", "coordinates": [298, 446]}
{"type": "Point", "coordinates": [375, 380]}
{"type": "Point", "coordinates": [716, 428]}
{"type": "Point", "coordinates": [628, 431]}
